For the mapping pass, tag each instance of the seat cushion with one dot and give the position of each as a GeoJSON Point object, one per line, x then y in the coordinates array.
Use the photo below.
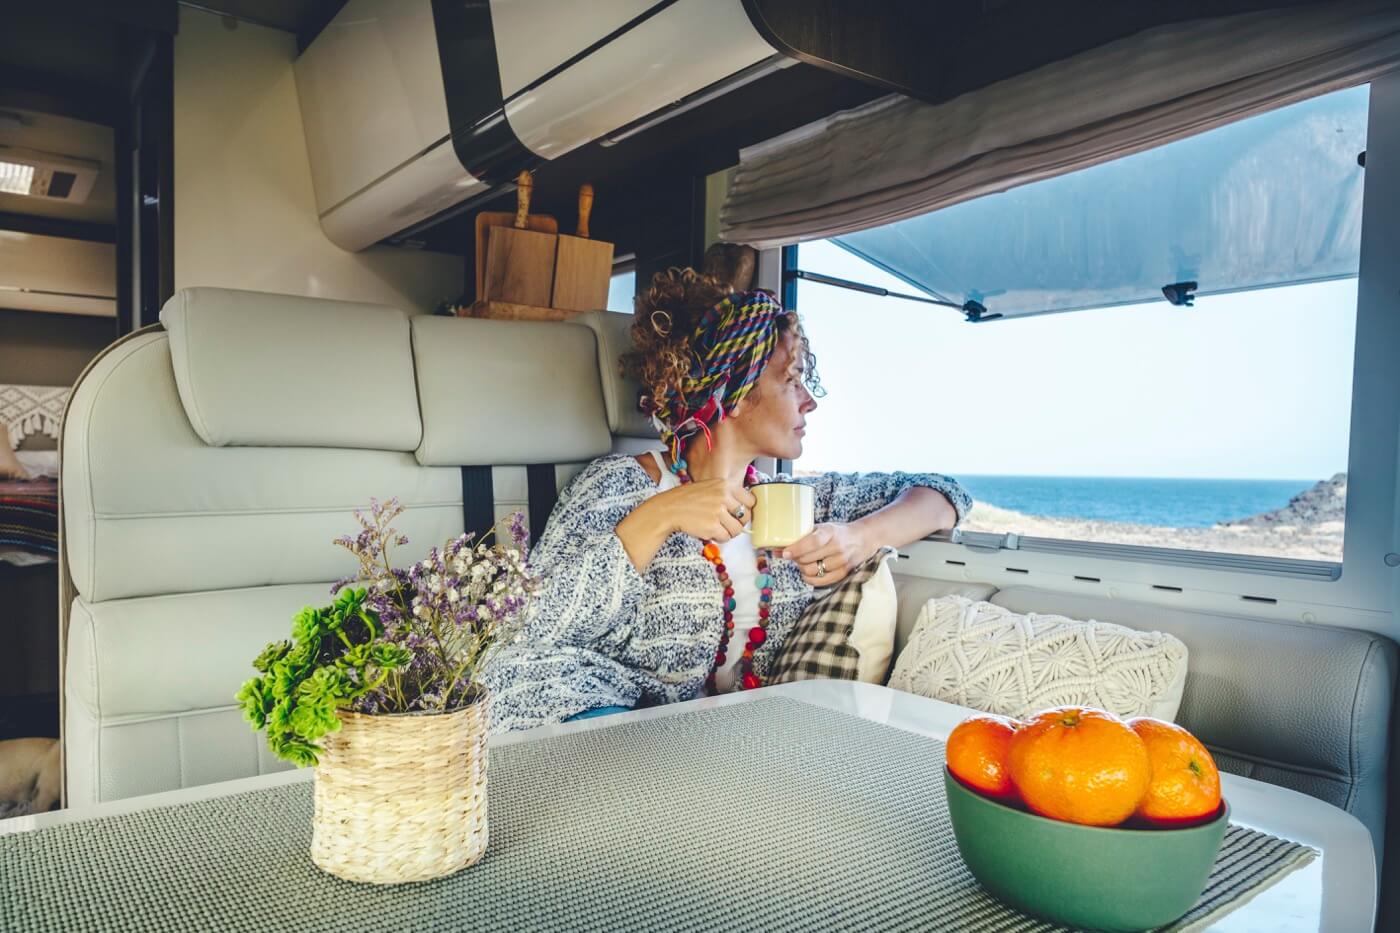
{"type": "Point", "coordinates": [1303, 706]}
{"type": "Point", "coordinates": [149, 508]}
{"type": "Point", "coordinates": [847, 633]}
{"type": "Point", "coordinates": [914, 592]}
{"type": "Point", "coordinates": [256, 369]}
{"type": "Point", "coordinates": [150, 682]}
{"type": "Point", "coordinates": [614, 333]}
{"type": "Point", "coordinates": [495, 392]}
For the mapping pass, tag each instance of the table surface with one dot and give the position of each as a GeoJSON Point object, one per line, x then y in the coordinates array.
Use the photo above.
{"type": "Point", "coordinates": [1337, 891]}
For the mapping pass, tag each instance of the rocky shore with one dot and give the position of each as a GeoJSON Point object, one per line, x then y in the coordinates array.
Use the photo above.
{"type": "Point", "coordinates": [1308, 528]}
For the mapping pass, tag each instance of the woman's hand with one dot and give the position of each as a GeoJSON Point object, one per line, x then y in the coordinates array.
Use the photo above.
{"type": "Point", "coordinates": [706, 509]}
{"type": "Point", "coordinates": [838, 548]}
{"type": "Point", "coordinates": [703, 509]}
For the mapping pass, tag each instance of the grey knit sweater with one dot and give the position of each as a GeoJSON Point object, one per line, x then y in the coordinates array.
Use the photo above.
{"type": "Point", "coordinates": [601, 634]}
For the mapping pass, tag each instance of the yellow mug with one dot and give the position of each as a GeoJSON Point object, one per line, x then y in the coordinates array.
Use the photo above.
{"type": "Point", "coordinates": [783, 514]}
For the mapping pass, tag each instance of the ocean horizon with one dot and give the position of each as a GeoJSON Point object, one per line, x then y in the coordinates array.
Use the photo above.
{"type": "Point", "coordinates": [1167, 502]}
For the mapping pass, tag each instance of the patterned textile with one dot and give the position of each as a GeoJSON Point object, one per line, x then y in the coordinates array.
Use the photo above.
{"type": "Point", "coordinates": [29, 516]}
{"type": "Point", "coordinates": [32, 410]}
{"type": "Point", "coordinates": [601, 634]}
{"type": "Point", "coordinates": [820, 643]}
{"type": "Point", "coordinates": [732, 343]}
{"type": "Point", "coordinates": [984, 656]}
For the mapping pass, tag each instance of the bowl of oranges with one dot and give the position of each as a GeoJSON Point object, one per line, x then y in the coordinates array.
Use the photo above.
{"type": "Point", "coordinates": [1085, 819]}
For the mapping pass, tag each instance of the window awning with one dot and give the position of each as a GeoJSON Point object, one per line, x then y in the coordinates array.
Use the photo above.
{"type": "Point", "coordinates": [1269, 201]}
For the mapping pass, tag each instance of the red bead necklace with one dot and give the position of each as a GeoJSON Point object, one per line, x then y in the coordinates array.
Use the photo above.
{"type": "Point", "coordinates": [748, 680]}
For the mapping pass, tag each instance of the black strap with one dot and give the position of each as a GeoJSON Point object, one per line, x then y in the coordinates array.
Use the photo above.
{"type": "Point", "coordinates": [478, 500]}
{"type": "Point", "coordinates": [543, 492]}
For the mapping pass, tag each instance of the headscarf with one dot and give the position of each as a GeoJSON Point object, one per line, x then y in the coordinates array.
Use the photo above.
{"type": "Point", "coordinates": [729, 348]}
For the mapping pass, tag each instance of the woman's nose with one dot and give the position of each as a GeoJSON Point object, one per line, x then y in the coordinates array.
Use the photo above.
{"type": "Point", "coordinates": [808, 403]}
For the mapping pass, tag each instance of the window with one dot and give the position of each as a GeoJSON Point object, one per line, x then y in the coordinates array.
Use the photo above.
{"type": "Point", "coordinates": [1222, 426]}
{"type": "Point", "coordinates": [621, 289]}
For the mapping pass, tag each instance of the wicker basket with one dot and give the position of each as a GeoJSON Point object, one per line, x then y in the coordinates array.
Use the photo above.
{"type": "Point", "coordinates": [402, 797]}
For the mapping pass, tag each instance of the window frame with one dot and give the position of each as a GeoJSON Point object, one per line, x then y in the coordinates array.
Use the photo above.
{"type": "Point", "coordinates": [1358, 592]}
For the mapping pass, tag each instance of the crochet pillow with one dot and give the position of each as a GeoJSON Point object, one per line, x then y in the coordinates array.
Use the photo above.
{"type": "Point", "coordinates": [845, 634]}
{"type": "Point", "coordinates": [981, 655]}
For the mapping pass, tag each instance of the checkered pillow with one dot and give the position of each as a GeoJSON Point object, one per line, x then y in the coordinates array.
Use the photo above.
{"type": "Point", "coordinates": [823, 643]}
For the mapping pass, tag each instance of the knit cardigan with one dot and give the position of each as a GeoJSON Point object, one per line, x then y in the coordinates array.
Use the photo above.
{"type": "Point", "coordinates": [599, 633]}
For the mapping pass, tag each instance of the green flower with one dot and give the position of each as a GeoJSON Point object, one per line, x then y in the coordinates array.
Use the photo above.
{"type": "Point", "coordinates": [279, 718]}
{"type": "Point", "coordinates": [256, 701]}
{"type": "Point", "coordinates": [285, 678]}
{"type": "Point", "coordinates": [296, 750]}
{"type": "Point", "coordinates": [272, 654]}
{"type": "Point", "coordinates": [309, 625]}
{"type": "Point", "coordinates": [388, 656]}
{"type": "Point", "coordinates": [313, 717]}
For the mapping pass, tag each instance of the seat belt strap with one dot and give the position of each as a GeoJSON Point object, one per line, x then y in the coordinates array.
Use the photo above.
{"type": "Point", "coordinates": [478, 500]}
{"type": "Point", "coordinates": [544, 493]}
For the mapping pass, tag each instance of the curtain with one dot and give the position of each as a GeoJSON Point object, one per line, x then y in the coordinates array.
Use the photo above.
{"type": "Point", "coordinates": [897, 157]}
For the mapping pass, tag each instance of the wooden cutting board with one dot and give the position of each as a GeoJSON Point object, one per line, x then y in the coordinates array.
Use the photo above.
{"type": "Point", "coordinates": [582, 267]}
{"type": "Point", "coordinates": [520, 267]}
{"type": "Point", "coordinates": [520, 219]}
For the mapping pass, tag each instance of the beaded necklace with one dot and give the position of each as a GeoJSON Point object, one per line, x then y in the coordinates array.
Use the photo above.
{"type": "Point", "coordinates": [757, 635]}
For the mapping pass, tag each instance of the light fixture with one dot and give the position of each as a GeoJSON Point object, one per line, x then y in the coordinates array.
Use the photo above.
{"type": "Point", "coordinates": [16, 177]}
{"type": "Point", "coordinates": [49, 175]}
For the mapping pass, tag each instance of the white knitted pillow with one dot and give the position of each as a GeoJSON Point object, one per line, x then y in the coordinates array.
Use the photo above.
{"type": "Point", "coordinates": [980, 655]}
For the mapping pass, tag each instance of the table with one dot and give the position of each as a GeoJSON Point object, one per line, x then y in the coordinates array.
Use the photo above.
{"type": "Point", "coordinates": [1335, 892]}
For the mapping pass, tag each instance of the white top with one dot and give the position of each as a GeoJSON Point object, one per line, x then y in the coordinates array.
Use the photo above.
{"type": "Point", "coordinates": [741, 563]}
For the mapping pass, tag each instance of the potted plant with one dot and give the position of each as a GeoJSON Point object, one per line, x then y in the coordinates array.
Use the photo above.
{"type": "Point", "coordinates": [380, 692]}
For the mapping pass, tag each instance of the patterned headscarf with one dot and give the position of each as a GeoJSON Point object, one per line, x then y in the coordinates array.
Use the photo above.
{"type": "Point", "coordinates": [731, 345]}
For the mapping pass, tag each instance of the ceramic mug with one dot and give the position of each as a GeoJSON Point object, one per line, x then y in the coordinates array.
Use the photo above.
{"type": "Point", "coordinates": [783, 514]}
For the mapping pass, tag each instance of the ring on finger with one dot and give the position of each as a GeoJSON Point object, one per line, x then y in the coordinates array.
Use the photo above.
{"type": "Point", "coordinates": [821, 567]}
{"type": "Point", "coordinates": [739, 513]}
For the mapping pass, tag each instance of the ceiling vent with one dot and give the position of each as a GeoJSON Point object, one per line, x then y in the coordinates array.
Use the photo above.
{"type": "Point", "coordinates": [46, 175]}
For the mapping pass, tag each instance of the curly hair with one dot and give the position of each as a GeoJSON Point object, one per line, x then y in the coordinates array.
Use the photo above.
{"type": "Point", "coordinates": [665, 318]}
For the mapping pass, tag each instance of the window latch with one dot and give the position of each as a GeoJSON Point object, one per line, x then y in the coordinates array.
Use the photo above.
{"type": "Point", "coordinates": [985, 542]}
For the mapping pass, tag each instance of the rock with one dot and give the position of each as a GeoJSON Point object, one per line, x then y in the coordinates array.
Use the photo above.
{"type": "Point", "coordinates": [1324, 504]}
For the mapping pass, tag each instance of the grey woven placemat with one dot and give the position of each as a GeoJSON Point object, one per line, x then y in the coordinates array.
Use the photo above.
{"type": "Point", "coordinates": [771, 815]}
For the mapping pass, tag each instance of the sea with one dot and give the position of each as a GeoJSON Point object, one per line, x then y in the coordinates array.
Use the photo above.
{"type": "Point", "coordinates": [1172, 503]}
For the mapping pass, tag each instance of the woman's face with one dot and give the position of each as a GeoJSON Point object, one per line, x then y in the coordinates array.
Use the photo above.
{"type": "Point", "coordinates": [773, 417]}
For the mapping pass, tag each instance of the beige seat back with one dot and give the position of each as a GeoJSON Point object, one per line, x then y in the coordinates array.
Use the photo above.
{"type": "Point", "coordinates": [208, 466]}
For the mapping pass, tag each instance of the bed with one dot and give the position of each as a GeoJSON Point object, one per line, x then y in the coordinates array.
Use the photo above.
{"type": "Point", "coordinates": [29, 478]}
{"type": "Point", "coordinates": [30, 417]}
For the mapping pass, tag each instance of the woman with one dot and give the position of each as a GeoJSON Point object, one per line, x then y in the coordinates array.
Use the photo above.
{"type": "Point", "coordinates": [647, 564]}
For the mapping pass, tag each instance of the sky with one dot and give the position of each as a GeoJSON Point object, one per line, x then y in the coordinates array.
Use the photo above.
{"type": "Point", "coordinates": [1255, 385]}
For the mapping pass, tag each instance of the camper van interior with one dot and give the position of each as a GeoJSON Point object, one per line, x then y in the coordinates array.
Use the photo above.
{"type": "Point", "coordinates": [699, 464]}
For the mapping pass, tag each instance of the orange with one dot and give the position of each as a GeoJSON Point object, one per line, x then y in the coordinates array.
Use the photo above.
{"type": "Point", "coordinates": [1185, 785]}
{"type": "Point", "coordinates": [977, 754]}
{"type": "Point", "coordinates": [1080, 765]}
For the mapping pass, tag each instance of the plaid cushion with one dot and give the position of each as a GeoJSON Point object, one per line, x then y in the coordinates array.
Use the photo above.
{"type": "Point", "coordinates": [818, 647]}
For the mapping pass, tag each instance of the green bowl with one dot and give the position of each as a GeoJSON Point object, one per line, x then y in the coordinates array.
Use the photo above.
{"type": "Point", "coordinates": [1094, 877]}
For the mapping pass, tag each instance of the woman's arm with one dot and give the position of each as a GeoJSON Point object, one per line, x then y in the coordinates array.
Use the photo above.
{"type": "Point", "coordinates": [703, 509]}
{"type": "Point", "coordinates": [561, 662]}
{"type": "Point", "coordinates": [847, 497]}
{"type": "Point", "coordinates": [916, 513]}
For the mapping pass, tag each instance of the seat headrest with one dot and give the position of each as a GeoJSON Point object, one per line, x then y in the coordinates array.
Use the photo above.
{"type": "Point", "coordinates": [620, 393]}
{"type": "Point", "coordinates": [508, 392]}
{"type": "Point", "coordinates": [262, 370]}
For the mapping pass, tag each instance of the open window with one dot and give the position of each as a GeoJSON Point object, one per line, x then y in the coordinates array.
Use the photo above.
{"type": "Point", "coordinates": [1197, 402]}
{"type": "Point", "coordinates": [622, 287]}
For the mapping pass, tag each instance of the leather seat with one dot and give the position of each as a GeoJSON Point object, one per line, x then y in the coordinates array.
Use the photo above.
{"type": "Point", "coordinates": [208, 466]}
